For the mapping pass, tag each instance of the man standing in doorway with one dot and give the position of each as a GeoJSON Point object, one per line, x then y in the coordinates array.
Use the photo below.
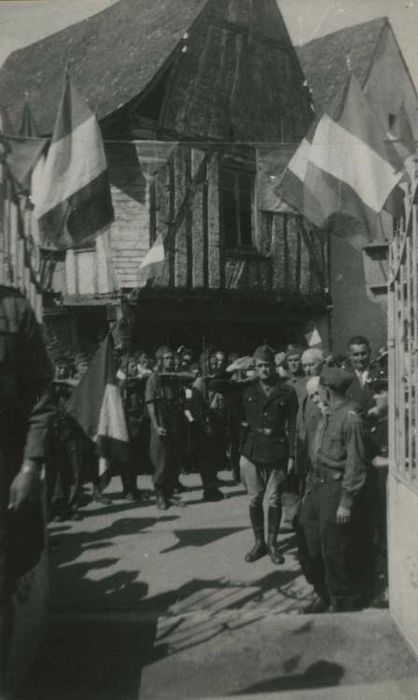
{"type": "Point", "coordinates": [267, 450]}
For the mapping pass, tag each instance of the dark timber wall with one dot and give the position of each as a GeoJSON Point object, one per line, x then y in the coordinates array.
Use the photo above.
{"type": "Point", "coordinates": [236, 78]}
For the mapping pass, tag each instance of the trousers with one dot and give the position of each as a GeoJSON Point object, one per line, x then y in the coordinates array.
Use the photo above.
{"type": "Point", "coordinates": [166, 455]}
{"type": "Point", "coordinates": [262, 481]}
{"type": "Point", "coordinates": [329, 555]}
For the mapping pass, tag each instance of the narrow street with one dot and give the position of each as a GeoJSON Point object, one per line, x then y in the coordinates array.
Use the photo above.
{"type": "Point", "coordinates": [156, 605]}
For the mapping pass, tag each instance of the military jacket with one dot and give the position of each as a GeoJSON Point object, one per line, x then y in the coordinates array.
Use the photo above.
{"type": "Point", "coordinates": [362, 396]}
{"type": "Point", "coordinates": [339, 445]}
{"type": "Point", "coordinates": [133, 398]}
{"type": "Point", "coordinates": [26, 405]}
{"type": "Point", "coordinates": [168, 396]}
{"type": "Point", "coordinates": [271, 420]}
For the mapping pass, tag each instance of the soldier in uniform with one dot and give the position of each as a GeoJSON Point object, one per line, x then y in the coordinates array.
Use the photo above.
{"type": "Point", "coordinates": [26, 408]}
{"type": "Point", "coordinates": [331, 511]}
{"type": "Point", "coordinates": [267, 450]}
{"type": "Point", "coordinates": [165, 399]}
{"type": "Point", "coordinates": [130, 388]}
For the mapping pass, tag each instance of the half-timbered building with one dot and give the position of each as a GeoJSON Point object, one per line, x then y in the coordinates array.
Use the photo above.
{"type": "Point", "coordinates": [190, 94]}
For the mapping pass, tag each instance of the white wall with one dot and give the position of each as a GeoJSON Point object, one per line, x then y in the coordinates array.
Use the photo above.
{"type": "Point", "coordinates": [403, 557]}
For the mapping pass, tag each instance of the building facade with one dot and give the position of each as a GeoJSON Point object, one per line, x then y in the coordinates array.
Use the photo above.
{"type": "Point", "coordinates": [189, 96]}
{"type": "Point", "coordinates": [371, 52]}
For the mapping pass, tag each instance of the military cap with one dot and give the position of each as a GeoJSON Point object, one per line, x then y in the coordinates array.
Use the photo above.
{"type": "Point", "coordinates": [336, 378]}
{"type": "Point", "coordinates": [264, 353]}
{"type": "Point", "coordinates": [292, 350]}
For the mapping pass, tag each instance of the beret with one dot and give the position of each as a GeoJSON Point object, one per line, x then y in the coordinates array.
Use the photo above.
{"type": "Point", "coordinates": [336, 378]}
{"type": "Point", "coordinates": [294, 350]}
{"type": "Point", "coordinates": [264, 353]}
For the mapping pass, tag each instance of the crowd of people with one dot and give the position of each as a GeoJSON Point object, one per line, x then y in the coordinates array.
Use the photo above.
{"type": "Point", "coordinates": [280, 421]}
{"type": "Point", "coordinates": [289, 422]}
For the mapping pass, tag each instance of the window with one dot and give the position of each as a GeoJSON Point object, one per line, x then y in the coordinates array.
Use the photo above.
{"type": "Point", "coordinates": [237, 206]}
{"type": "Point", "coordinates": [391, 120]}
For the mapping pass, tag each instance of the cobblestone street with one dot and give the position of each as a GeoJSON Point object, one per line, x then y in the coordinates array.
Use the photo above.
{"type": "Point", "coordinates": [156, 605]}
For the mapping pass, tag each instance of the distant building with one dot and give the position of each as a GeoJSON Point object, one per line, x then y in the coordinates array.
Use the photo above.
{"type": "Point", "coordinates": [371, 51]}
{"type": "Point", "coordinates": [187, 93]}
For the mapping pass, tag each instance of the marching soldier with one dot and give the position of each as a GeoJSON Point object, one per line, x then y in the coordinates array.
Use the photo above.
{"type": "Point", "coordinates": [165, 399]}
{"type": "Point", "coordinates": [205, 441]}
{"type": "Point", "coordinates": [331, 511]}
{"type": "Point", "coordinates": [25, 412]}
{"type": "Point", "coordinates": [267, 450]}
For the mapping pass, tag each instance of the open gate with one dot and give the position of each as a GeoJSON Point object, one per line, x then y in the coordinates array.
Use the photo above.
{"type": "Point", "coordinates": [403, 422]}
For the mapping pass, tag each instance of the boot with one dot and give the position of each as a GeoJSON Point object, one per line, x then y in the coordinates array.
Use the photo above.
{"type": "Point", "coordinates": [320, 604]}
{"type": "Point", "coordinates": [161, 500]}
{"type": "Point", "coordinates": [257, 522]}
{"type": "Point", "coordinates": [274, 517]}
{"type": "Point", "coordinates": [213, 494]}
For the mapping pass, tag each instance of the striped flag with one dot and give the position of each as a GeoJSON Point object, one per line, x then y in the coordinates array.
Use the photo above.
{"type": "Point", "coordinates": [153, 262]}
{"type": "Point", "coordinates": [292, 184]}
{"type": "Point", "coordinates": [346, 167]}
{"type": "Point", "coordinates": [96, 405]}
{"type": "Point", "coordinates": [74, 204]}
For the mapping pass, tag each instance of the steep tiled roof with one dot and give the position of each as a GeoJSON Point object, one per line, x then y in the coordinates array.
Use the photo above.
{"type": "Point", "coordinates": [327, 60]}
{"type": "Point", "coordinates": [113, 57]}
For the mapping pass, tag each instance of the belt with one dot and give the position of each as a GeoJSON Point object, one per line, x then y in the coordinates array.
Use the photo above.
{"type": "Point", "coordinates": [268, 432]}
{"type": "Point", "coordinates": [322, 475]}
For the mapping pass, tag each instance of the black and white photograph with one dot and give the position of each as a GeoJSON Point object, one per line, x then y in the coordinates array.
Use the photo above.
{"type": "Point", "coordinates": [208, 349]}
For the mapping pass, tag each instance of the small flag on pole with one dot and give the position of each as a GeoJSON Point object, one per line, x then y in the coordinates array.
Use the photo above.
{"type": "Point", "coordinates": [96, 405]}
{"type": "Point", "coordinates": [74, 203]}
{"type": "Point", "coordinates": [153, 263]}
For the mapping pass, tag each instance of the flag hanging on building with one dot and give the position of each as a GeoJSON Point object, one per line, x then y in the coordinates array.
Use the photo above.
{"type": "Point", "coordinates": [291, 187]}
{"type": "Point", "coordinates": [153, 262]}
{"type": "Point", "coordinates": [74, 203]}
{"type": "Point", "coordinates": [96, 405]}
{"type": "Point", "coordinates": [346, 167]}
